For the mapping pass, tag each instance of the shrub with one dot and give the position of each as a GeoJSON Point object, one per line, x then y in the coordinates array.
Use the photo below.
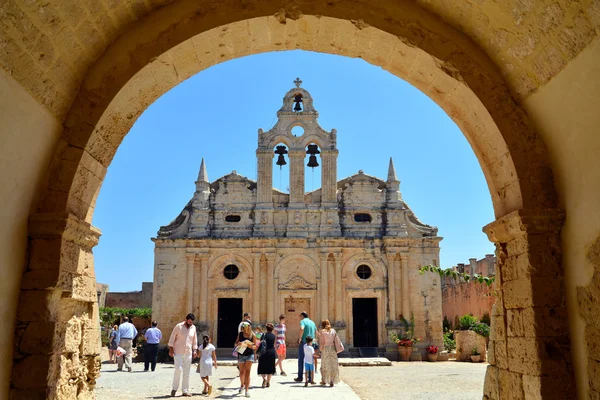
{"type": "Point", "coordinates": [447, 324]}
{"type": "Point", "coordinates": [449, 342]}
{"type": "Point", "coordinates": [481, 328]}
{"type": "Point", "coordinates": [485, 318]}
{"type": "Point", "coordinates": [466, 321]}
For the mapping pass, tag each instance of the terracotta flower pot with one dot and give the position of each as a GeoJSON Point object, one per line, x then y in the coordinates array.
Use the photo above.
{"type": "Point", "coordinates": [432, 357]}
{"type": "Point", "coordinates": [405, 353]}
{"type": "Point", "coordinates": [476, 358]}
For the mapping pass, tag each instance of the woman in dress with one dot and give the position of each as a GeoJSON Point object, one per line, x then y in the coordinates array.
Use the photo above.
{"type": "Point", "coordinates": [112, 344]}
{"type": "Point", "coordinates": [246, 358]}
{"type": "Point", "coordinates": [330, 372]}
{"type": "Point", "coordinates": [266, 361]}
{"type": "Point", "coordinates": [208, 360]}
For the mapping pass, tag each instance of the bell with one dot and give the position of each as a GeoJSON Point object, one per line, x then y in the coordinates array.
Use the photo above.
{"type": "Point", "coordinates": [280, 161]}
{"type": "Point", "coordinates": [312, 162]}
{"type": "Point", "coordinates": [280, 150]}
{"type": "Point", "coordinates": [298, 100]}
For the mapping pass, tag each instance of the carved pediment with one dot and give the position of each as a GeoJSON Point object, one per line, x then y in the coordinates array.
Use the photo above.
{"type": "Point", "coordinates": [297, 282]}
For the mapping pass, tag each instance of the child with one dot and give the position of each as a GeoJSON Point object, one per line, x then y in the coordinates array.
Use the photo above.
{"type": "Point", "coordinates": [309, 368]}
{"type": "Point", "coordinates": [257, 337]}
{"type": "Point", "coordinates": [208, 360]}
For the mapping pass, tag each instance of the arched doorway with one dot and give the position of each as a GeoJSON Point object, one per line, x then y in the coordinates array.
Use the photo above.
{"type": "Point", "coordinates": [136, 69]}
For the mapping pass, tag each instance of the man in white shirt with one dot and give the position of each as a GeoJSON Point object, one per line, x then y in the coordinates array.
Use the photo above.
{"type": "Point", "coordinates": [183, 346]}
{"type": "Point", "coordinates": [125, 336]}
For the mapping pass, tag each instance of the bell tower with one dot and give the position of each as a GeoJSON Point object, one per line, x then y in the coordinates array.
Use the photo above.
{"type": "Point", "coordinates": [298, 110]}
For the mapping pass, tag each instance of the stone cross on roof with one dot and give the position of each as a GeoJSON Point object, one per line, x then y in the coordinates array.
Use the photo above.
{"type": "Point", "coordinates": [298, 82]}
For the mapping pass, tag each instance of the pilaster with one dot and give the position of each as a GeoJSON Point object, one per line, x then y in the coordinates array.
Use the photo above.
{"type": "Point", "coordinates": [324, 286]}
{"type": "Point", "coordinates": [529, 339]}
{"type": "Point", "coordinates": [270, 286]}
{"type": "Point", "coordinates": [264, 179]}
{"type": "Point", "coordinates": [256, 285]}
{"type": "Point", "coordinates": [391, 279]}
{"type": "Point", "coordinates": [405, 294]}
{"type": "Point", "coordinates": [297, 157]}
{"type": "Point", "coordinates": [329, 176]}
{"type": "Point", "coordinates": [203, 261]}
{"type": "Point", "coordinates": [339, 316]}
{"type": "Point", "coordinates": [191, 259]}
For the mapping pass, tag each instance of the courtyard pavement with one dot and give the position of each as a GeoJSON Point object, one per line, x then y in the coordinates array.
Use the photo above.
{"type": "Point", "coordinates": [415, 380]}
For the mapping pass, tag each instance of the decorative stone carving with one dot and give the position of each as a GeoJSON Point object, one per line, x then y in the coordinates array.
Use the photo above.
{"type": "Point", "coordinates": [297, 283]}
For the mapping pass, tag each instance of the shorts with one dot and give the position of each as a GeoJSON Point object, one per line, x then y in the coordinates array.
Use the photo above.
{"type": "Point", "coordinates": [281, 349]}
{"type": "Point", "coordinates": [243, 359]}
{"type": "Point", "coordinates": [309, 367]}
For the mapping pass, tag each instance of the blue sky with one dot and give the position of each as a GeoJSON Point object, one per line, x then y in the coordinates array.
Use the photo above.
{"type": "Point", "coordinates": [216, 115]}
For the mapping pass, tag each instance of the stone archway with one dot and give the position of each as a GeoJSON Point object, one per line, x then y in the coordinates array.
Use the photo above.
{"type": "Point", "coordinates": [530, 348]}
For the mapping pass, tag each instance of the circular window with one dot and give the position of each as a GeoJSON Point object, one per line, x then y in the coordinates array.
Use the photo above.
{"type": "Point", "coordinates": [297, 130]}
{"type": "Point", "coordinates": [231, 271]}
{"type": "Point", "coordinates": [364, 271]}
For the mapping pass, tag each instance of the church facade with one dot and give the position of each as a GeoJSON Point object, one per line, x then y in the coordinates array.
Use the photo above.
{"type": "Point", "coordinates": [348, 252]}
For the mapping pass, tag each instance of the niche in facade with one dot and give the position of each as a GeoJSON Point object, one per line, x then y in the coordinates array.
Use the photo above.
{"type": "Point", "coordinates": [233, 218]}
{"type": "Point", "coordinates": [362, 217]}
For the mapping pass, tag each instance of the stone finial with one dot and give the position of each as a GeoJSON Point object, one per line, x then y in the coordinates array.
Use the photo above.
{"type": "Point", "coordinates": [202, 175]}
{"type": "Point", "coordinates": [297, 82]}
{"type": "Point", "coordinates": [392, 172]}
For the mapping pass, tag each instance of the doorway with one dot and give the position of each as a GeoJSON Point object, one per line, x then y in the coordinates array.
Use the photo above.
{"type": "Point", "coordinates": [364, 325]}
{"type": "Point", "coordinates": [229, 317]}
{"type": "Point", "coordinates": [293, 308]}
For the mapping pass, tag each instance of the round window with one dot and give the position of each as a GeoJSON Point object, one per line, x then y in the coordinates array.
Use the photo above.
{"type": "Point", "coordinates": [364, 271]}
{"type": "Point", "coordinates": [231, 271]}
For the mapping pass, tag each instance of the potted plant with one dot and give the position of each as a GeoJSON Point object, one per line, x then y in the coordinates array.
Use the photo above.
{"type": "Point", "coordinates": [432, 353]}
{"type": "Point", "coordinates": [405, 340]}
{"type": "Point", "coordinates": [475, 356]}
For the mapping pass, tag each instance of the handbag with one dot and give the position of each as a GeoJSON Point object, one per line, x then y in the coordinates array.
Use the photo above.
{"type": "Point", "coordinates": [262, 349]}
{"type": "Point", "coordinates": [339, 346]}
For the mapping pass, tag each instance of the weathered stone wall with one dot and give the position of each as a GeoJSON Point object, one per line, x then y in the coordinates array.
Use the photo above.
{"type": "Point", "coordinates": [460, 298]}
{"type": "Point", "coordinates": [466, 341]}
{"type": "Point", "coordinates": [138, 299]}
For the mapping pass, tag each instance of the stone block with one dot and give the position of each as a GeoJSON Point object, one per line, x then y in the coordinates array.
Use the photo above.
{"type": "Point", "coordinates": [90, 341]}
{"type": "Point", "coordinates": [45, 254]}
{"type": "Point", "coordinates": [592, 337]}
{"type": "Point", "coordinates": [38, 338]}
{"type": "Point", "coordinates": [544, 387]}
{"type": "Point", "coordinates": [490, 385]}
{"type": "Point", "coordinates": [31, 372]}
{"type": "Point", "coordinates": [498, 329]}
{"type": "Point", "coordinates": [517, 294]}
{"type": "Point", "coordinates": [514, 322]}
{"type": "Point", "coordinates": [547, 291]}
{"type": "Point", "coordinates": [38, 305]}
{"type": "Point", "coordinates": [40, 279]}
{"type": "Point", "coordinates": [593, 374]}
{"type": "Point", "coordinates": [28, 394]}
{"type": "Point", "coordinates": [544, 321]}
{"type": "Point", "coordinates": [510, 385]}
{"type": "Point", "coordinates": [500, 354]}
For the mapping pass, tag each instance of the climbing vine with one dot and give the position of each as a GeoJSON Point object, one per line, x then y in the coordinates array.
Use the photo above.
{"type": "Point", "coordinates": [488, 280]}
{"type": "Point", "coordinates": [109, 314]}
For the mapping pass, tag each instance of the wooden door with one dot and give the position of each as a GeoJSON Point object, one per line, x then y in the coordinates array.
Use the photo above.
{"type": "Point", "coordinates": [293, 308]}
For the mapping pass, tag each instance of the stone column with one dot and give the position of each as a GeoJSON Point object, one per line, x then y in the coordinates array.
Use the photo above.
{"type": "Point", "coordinates": [329, 176]}
{"type": "Point", "coordinates": [57, 333]}
{"type": "Point", "coordinates": [264, 179]}
{"type": "Point", "coordinates": [189, 295]}
{"type": "Point", "coordinates": [405, 286]}
{"type": "Point", "coordinates": [339, 316]}
{"type": "Point", "coordinates": [529, 350]}
{"type": "Point", "coordinates": [472, 266]}
{"type": "Point", "coordinates": [324, 286]}
{"type": "Point", "coordinates": [256, 287]}
{"type": "Point", "coordinates": [270, 286]}
{"type": "Point", "coordinates": [297, 176]}
{"type": "Point", "coordinates": [204, 287]}
{"type": "Point", "coordinates": [391, 285]}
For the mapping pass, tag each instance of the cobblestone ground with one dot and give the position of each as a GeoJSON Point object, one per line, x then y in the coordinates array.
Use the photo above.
{"type": "Point", "coordinates": [416, 380]}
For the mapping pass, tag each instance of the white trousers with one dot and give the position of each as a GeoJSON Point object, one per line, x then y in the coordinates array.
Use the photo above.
{"type": "Point", "coordinates": [183, 362]}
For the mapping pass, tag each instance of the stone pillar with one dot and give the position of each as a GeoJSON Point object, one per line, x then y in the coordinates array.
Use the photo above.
{"type": "Point", "coordinates": [264, 179]}
{"type": "Point", "coordinates": [489, 258]}
{"type": "Point", "coordinates": [203, 258]}
{"type": "Point", "coordinates": [405, 286]}
{"type": "Point", "coordinates": [472, 266]}
{"type": "Point", "coordinates": [339, 316]}
{"type": "Point", "coordinates": [197, 286]}
{"type": "Point", "coordinates": [391, 285]}
{"type": "Point", "coordinates": [324, 286]}
{"type": "Point", "coordinates": [56, 352]}
{"type": "Point", "coordinates": [329, 176]}
{"type": "Point", "coordinates": [256, 287]}
{"type": "Point", "coordinates": [529, 350]}
{"type": "Point", "coordinates": [270, 286]}
{"type": "Point", "coordinates": [297, 176]}
{"type": "Point", "coordinates": [189, 295]}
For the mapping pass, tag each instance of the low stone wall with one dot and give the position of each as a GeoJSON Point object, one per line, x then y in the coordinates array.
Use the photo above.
{"type": "Point", "coordinates": [466, 341]}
